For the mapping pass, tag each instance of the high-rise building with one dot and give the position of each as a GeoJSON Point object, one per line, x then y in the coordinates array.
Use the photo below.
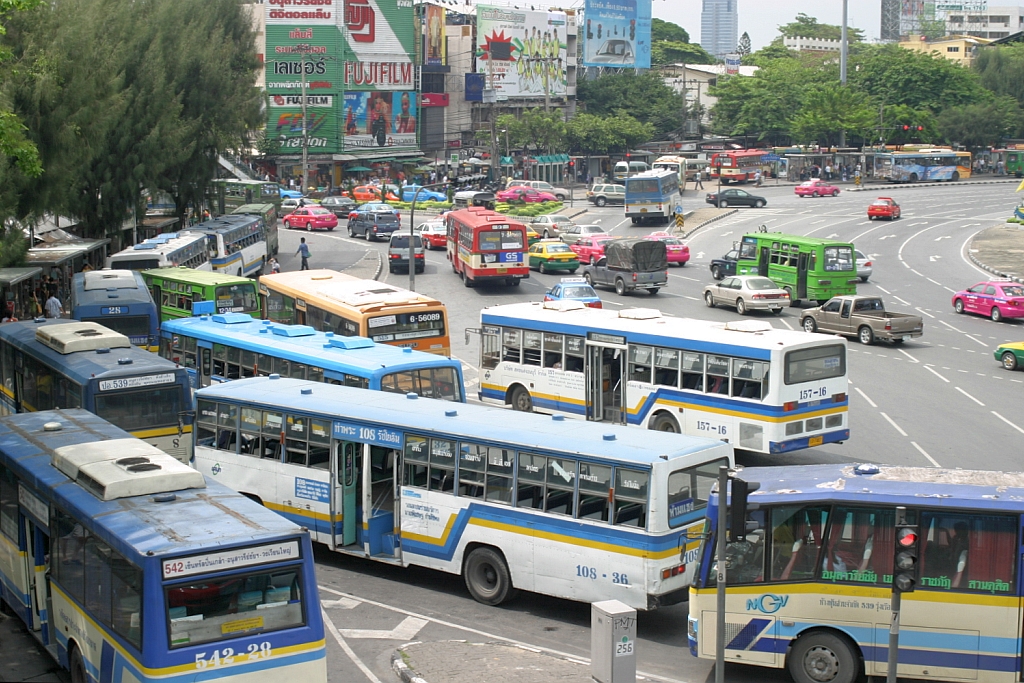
{"type": "Point", "coordinates": [890, 20]}
{"type": "Point", "coordinates": [719, 27]}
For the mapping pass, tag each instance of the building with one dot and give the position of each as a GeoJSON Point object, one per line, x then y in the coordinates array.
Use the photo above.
{"type": "Point", "coordinates": [801, 44]}
{"type": "Point", "coordinates": [890, 24]}
{"type": "Point", "coordinates": [693, 80]}
{"type": "Point", "coordinates": [959, 49]}
{"type": "Point", "coordinates": [719, 27]}
{"type": "Point", "coordinates": [991, 23]}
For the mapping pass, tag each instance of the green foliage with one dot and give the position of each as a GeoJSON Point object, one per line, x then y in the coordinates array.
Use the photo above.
{"type": "Point", "coordinates": [808, 27]}
{"type": "Point", "coordinates": [827, 111]}
{"type": "Point", "coordinates": [932, 29]}
{"type": "Point", "coordinates": [591, 134]}
{"type": "Point", "coordinates": [535, 129]}
{"type": "Point", "coordinates": [767, 54]}
{"type": "Point", "coordinates": [1001, 70]}
{"type": "Point", "coordinates": [889, 129]}
{"type": "Point", "coordinates": [743, 48]}
{"type": "Point", "coordinates": [666, 30]}
{"type": "Point", "coordinates": [13, 247]}
{"type": "Point", "coordinates": [982, 124]}
{"type": "Point", "coordinates": [645, 96]}
{"type": "Point", "coordinates": [528, 210]}
{"type": "Point", "coordinates": [672, 52]}
{"type": "Point", "coordinates": [892, 75]}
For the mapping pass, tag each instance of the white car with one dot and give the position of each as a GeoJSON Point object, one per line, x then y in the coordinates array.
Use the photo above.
{"type": "Point", "coordinates": [747, 293]}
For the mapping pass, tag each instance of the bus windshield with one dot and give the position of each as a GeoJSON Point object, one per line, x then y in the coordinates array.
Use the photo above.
{"type": "Point", "coordinates": [427, 382]}
{"type": "Point", "coordinates": [144, 409]}
{"type": "Point", "coordinates": [497, 240]}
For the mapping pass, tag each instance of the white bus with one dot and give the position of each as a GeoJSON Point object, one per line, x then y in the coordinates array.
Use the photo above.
{"type": "Point", "coordinates": [745, 382]}
{"type": "Point", "coordinates": [237, 244]}
{"type": "Point", "coordinates": [166, 250]}
{"type": "Point", "coordinates": [686, 168]}
{"type": "Point", "coordinates": [509, 501]}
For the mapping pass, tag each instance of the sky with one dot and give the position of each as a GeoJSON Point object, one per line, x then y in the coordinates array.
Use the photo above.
{"type": "Point", "coordinates": [761, 18]}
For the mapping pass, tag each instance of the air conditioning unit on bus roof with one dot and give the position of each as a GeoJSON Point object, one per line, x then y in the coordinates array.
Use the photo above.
{"type": "Point", "coordinates": [76, 336]}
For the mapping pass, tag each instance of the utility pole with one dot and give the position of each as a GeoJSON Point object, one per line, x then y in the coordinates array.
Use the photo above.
{"type": "Point", "coordinates": [494, 131]}
{"type": "Point", "coordinates": [842, 64]}
{"type": "Point", "coordinates": [723, 506]}
{"type": "Point", "coordinates": [304, 49]}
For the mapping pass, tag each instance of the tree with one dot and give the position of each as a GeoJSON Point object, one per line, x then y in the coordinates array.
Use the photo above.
{"type": "Point", "coordinates": [890, 74]}
{"type": "Point", "coordinates": [645, 96]}
{"type": "Point", "coordinates": [534, 130]}
{"type": "Point", "coordinates": [14, 144]}
{"type": "Point", "coordinates": [666, 30]}
{"type": "Point", "coordinates": [1001, 70]}
{"type": "Point", "coordinates": [669, 52]}
{"type": "Point", "coordinates": [808, 27]}
{"type": "Point", "coordinates": [743, 48]}
{"type": "Point", "coordinates": [829, 110]}
{"type": "Point", "coordinates": [589, 134]}
{"type": "Point", "coordinates": [768, 54]}
{"type": "Point", "coordinates": [983, 124]}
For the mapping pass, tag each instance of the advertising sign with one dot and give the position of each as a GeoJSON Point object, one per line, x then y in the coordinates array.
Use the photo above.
{"type": "Point", "coordinates": [380, 119]}
{"type": "Point", "coordinates": [732, 64]}
{"type": "Point", "coordinates": [617, 33]}
{"type": "Point", "coordinates": [303, 12]}
{"type": "Point", "coordinates": [522, 53]}
{"type": "Point", "coordinates": [436, 44]}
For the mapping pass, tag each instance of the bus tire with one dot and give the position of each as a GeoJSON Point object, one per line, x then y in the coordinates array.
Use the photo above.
{"type": "Point", "coordinates": [822, 657]}
{"type": "Point", "coordinates": [76, 665]}
{"type": "Point", "coordinates": [467, 280]}
{"type": "Point", "coordinates": [793, 303]}
{"type": "Point", "coordinates": [512, 281]}
{"type": "Point", "coordinates": [955, 177]}
{"type": "Point", "coordinates": [521, 400]}
{"type": "Point", "coordinates": [487, 577]}
{"type": "Point", "coordinates": [913, 177]}
{"type": "Point", "coordinates": [663, 422]}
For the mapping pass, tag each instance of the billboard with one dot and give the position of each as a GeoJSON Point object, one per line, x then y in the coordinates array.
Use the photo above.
{"type": "Point", "coordinates": [522, 53]}
{"type": "Point", "coordinates": [617, 33]}
{"type": "Point", "coordinates": [436, 44]}
{"type": "Point", "coordinates": [376, 119]}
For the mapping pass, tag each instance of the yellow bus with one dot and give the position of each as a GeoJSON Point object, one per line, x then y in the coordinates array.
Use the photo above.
{"type": "Point", "coordinates": [330, 301]}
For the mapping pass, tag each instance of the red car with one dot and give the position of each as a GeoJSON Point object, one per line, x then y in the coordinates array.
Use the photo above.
{"type": "Point", "coordinates": [311, 218]}
{"type": "Point", "coordinates": [883, 207]}
{"type": "Point", "coordinates": [816, 188]}
{"type": "Point", "coordinates": [525, 194]}
{"type": "Point", "coordinates": [996, 299]}
{"type": "Point", "coordinates": [591, 247]}
{"type": "Point", "coordinates": [678, 253]}
{"type": "Point", "coordinates": [434, 233]}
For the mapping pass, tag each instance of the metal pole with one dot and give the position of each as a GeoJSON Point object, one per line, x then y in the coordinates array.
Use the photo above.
{"type": "Point", "coordinates": [723, 506]}
{"type": "Point", "coordinates": [412, 236]}
{"type": "Point", "coordinates": [305, 141]}
{"type": "Point", "coordinates": [842, 64]}
{"type": "Point", "coordinates": [494, 131]}
{"type": "Point", "coordinates": [894, 638]}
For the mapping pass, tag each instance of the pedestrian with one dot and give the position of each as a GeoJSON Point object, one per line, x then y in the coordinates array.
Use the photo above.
{"type": "Point", "coordinates": [757, 178]}
{"type": "Point", "coordinates": [698, 184]}
{"type": "Point", "coordinates": [275, 267]}
{"type": "Point", "coordinates": [304, 252]}
{"type": "Point", "coordinates": [54, 308]}
{"type": "Point", "coordinates": [828, 171]}
{"type": "Point", "coordinates": [9, 313]}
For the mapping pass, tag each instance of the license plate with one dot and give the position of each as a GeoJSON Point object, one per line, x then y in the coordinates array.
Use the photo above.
{"type": "Point", "coordinates": [906, 337]}
{"type": "Point", "coordinates": [815, 441]}
{"type": "Point", "coordinates": [502, 270]}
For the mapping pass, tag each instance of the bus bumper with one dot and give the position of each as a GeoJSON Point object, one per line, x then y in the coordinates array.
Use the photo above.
{"type": "Point", "coordinates": [691, 634]}
{"type": "Point", "coordinates": [671, 598]}
{"type": "Point", "coordinates": [808, 441]}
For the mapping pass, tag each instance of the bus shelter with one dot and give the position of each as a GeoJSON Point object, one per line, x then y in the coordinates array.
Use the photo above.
{"type": "Point", "coordinates": [17, 286]}
{"type": "Point", "coordinates": [60, 260]}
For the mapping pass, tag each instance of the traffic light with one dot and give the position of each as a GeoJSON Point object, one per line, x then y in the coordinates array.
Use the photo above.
{"type": "Point", "coordinates": [920, 128]}
{"type": "Point", "coordinates": [572, 164]}
{"type": "Point", "coordinates": [904, 575]}
{"type": "Point", "coordinates": [632, 29]}
{"type": "Point", "coordinates": [738, 508]}
{"type": "Point", "coordinates": [906, 127]}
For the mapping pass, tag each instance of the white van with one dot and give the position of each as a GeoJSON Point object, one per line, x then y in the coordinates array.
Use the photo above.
{"type": "Point", "coordinates": [625, 169]}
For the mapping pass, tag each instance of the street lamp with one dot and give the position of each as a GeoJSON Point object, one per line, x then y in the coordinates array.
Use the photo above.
{"type": "Point", "coordinates": [412, 234]}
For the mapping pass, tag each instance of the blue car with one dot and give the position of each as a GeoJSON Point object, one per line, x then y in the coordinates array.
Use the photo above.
{"type": "Point", "coordinates": [425, 195]}
{"type": "Point", "coordinates": [287, 193]}
{"type": "Point", "coordinates": [574, 289]}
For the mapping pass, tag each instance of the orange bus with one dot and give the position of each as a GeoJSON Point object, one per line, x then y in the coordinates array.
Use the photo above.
{"type": "Point", "coordinates": [737, 166]}
{"type": "Point", "coordinates": [329, 301]}
{"type": "Point", "coordinates": [485, 246]}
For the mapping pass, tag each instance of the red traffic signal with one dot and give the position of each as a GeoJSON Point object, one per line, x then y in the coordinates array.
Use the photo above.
{"type": "Point", "coordinates": [906, 538]}
{"type": "Point", "coordinates": [906, 127]}
{"type": "Point", "coordinates": [920, 128]}
{"type": "Point", "coordinates": [572, 163]}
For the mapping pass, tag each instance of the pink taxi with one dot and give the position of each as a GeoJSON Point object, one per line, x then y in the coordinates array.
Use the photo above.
{"type": "Point", "coordinates": [996, 299]}
{"type": "Point", "coordinates": [678, 253]}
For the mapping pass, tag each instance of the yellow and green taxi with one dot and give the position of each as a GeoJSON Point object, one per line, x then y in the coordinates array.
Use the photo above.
{"type": "Point", "coordinates": [549, 255]}
{"type": "Point", "coordinates": [1011, 355]}
{"type": "Point", "coordinates": [532, 236]}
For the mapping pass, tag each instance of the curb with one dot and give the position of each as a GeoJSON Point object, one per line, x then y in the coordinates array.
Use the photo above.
{"type": "Point", "coordinates": [919, 186]}
{"type": "Point", "coordinates": [402, 669]}
{"type": "Point", "coordinates": [990, 269]}
{"type": "Point", "coordinates": [707, 222]}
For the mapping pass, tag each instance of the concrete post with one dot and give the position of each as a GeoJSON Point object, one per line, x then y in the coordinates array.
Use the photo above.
{"type": "Point", "coordinates": [612, 642]}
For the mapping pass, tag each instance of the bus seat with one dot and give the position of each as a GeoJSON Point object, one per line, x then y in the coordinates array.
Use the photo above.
{"type": "Point", "coordinates": [559, 502]}
{"type": "Point", "coordinates": [630, 515]}
{"type": "Point", "coordinates": [594, 508]}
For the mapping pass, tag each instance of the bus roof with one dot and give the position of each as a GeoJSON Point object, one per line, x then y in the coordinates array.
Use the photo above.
{"type": "Point", "coordinates": [164, 243]}
{"type": "Point", "coordinates": [330, 285]}
{"type": "Point", "coordinates": [653, 173]}
{"type": "Point", "coordinates": [195, 519]}
{"type": "Point", "coordinates": [304, 344]}
{"type": "Point", "coordinates": [872, 484]}
{"type": "Point", "coordinates": [196, 277]}
{"type": "Point", "coordinates": [743, 338]}
{"type": "Point", "coordinates": [800, 239]}
{"type": "Point", "coordinates": [464, 420]}
{"type": "Point", "coordinates": [110, 287]}
{"type": "Point", "coordinates": [257, 209]}
{"type": "Point", "coordinates": [224, 223]}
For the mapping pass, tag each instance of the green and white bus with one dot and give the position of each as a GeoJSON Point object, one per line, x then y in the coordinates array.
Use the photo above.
{"type": "Point", "coordinates": [809, 268]}
{"type": "Point", "coordinates": [175, 290]}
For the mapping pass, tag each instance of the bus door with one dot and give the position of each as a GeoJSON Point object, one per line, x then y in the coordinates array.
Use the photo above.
{"type": "Point", "coordinates": [801, 276]}
{"type": "Point", "coordinates": [381, 467]}
{"type": "Point", "coordinates": [605, 370]}
{"type": "Point", "coordinates": [762, 262]}
{"type": "Point", "coordinates": [205, 363]}
{"type": "Point", "coordinates": [346, 499]}
{"type": "Point", "coordinates": [37, 561]}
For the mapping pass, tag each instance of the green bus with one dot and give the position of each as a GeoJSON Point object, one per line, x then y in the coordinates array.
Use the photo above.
{"type": "Point", "coordinates": [227, 194]}
{"type": "Point", "coordinates": [269, 214]}
{"type": "Point", "coordinates": [175, 290]}
{"type": "Point", "coordinates": [807, 267]}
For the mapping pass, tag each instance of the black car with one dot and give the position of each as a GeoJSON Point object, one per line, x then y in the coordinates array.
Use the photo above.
{"type": "Point", "coordinates": [735, 198]}
{"type": "Point", "coordinates": [339, 206]}
{"type": "Point", "coordinates": [373, 224]}
{"type": "Point", "coordinates": [725, 266]}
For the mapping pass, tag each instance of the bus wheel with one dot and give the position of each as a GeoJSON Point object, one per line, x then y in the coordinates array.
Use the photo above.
{"type": "Point", "coordinates": [467, 280]}
{"type": "Point", "coordinates": [913, 177]}
{"type": "Point", "coordinates": [487, 576]}
{"type": "Point", "coordinates": [521, 400]}
{"type": "Point", "coordinates": [664, 423]}
{"type": "Point", "coordinates": [512, 282]}
{"type": "Point", "coordinates": [956, 176]}
{"type": "Point", "coordinates": [823, 658]}
{"type": "Point", "coordinates": [77, 666]}
{"type": "Point", "coordinates": [793, 303]}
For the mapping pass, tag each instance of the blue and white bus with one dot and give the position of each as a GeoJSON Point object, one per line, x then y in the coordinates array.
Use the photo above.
{"type": "Point", "coordinates": [230, 346]}
{"type": "Point", "coordinates": [653, 196]}
{"type": "Point", "coordinates": [762, 389]}
{"type": "Point", "coordinates": [509, 501]}
{"type": "Point", "coordinates": [127, 565]}
{"type": "Point", "coordinates": [923, 165]}
{"type": "Point", "coordinates": [237, 243]}
{"type": "Point", "coordinates": [118, 300]}
{"type": "Point", "coordinates": [166, 250]}
{"type": "Point", "coordinates": [62, 364]}
{"type": "Point", "coordinates": [810, 586]}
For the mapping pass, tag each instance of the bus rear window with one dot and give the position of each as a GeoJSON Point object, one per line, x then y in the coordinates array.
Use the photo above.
{"type": "Point", "coordinates": [405, 326]}
{"type": "Point", "coordinates": [136, 264]}
{"type": "Point", "coordinates": [498, 240]}
{"type": "Point", "coordinates": [224, 608]}
{"type": "Point", "coordinates": [818, 363]}
{"type": "Point", "coordinates": [144, 409]}
{"type": "Point", "coordinates": [634, 185]}
{"type": "Point", "coordinates": [838, 259]}
{"type": "Point", "coordinates": [427, 382]}
{"type": "Point", "coordinates": [237, 299]}
{"type": "Point", "coordinates": [130, 325]}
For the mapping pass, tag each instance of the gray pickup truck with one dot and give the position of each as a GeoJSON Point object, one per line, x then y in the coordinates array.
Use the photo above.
{"type": "Point", "coordinates": [863, 317]}
{"type": "Point", "coordinates": [630, 264]}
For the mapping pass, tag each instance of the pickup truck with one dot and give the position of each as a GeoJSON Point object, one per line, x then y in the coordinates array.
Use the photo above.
{"type": "Point", "coordinates": [630, 264]}
{"type": "Point", "coordinates": [863, 317]}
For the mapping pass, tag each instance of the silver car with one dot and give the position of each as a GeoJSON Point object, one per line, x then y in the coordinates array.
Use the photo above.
{"type": "Point", "coordinates": [573, 232]}
{"type": "Point", "coordinates": [863, 265]}
{"type": "Point", "coordinates": [550, 226]}
{"type": "Point", "coordinates": [747, 293]}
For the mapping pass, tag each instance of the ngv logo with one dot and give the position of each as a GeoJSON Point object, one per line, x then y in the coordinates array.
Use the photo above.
{"type": "Point", "coordinates": [769, 604]}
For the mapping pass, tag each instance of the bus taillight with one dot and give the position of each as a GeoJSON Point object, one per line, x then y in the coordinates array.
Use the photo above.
{"type": "Point", "coordinates": [790, 406]}
{"type": "Point", "coordinates": [838, 398]}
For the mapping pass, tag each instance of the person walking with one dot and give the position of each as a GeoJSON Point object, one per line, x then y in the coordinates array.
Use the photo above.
{"type": "Point", "coordinates": [698, 183]}
{"type": "Point", "coordinates": [304, 252]}
{"type": "Point", "coordinates": [53, 306]}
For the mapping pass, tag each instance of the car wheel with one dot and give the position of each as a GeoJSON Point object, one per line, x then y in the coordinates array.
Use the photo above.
{"type": "Point", "coordinates": [821, 657]}
{"type": "Point", "coordinates": [351, 232]}
{"type": "Point", "coordinates": [741, 307]}
{"type": "Point", "coordinates": [620, 286]}
{"type": "Point", "coordinates": [560, 197]}
{"type": "Point", "coordinates": [600, 201]}
{"type": "Point", "coordinates": [958, 306]}
{"type": "Point", "coordinates": [997, 315]}
{"type": "Point", "coordinates": [541, 268]}
{"type": "Point", "coordinates": [521, 400]}
{"type": "Point", "coordinates": [723, 204]}
{"type": "Point", "coordinates": [487, 577]}
{"type": "Point", "coordinates": [870, 217]}
{"type": "Point", "coordinates": [865, 335]}
{"type": "Point", "coordinates": [589, 279]}
{"type": "Point", "coordinates": [758, 204]}
{"type": "Point", "coordinates": [716, 272]}
{"type": "Point", "coordinates": [835, 193]}
{"type": "Point", "coordinates": [287, 225]}
{"type": "Point", "coordinates": [1009, 360]}
{"type": "Point", "coordinates": [652, 291]}
{"type": "Point", "coordinates": [863, 278]}
{"type": "Point", "coordinates": [709, 299]}
{"type": "Point", "coordinates": [309, 227]}
{"type": "Point", "coordinates": [809, 325]}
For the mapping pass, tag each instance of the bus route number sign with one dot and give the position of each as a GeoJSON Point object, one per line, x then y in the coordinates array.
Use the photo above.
{"type": "Point", "coordinates": [375, 436]}
{"type": "Point", "coordinates": [136, 382]}
{"type": "Point", "coordinates": [113, 310]}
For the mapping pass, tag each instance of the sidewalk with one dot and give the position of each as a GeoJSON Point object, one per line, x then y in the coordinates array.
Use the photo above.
{"type": "Point", "coordinates": [1000, 251]}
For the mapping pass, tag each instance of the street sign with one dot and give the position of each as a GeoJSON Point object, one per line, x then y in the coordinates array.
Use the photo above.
{"type": "Point", "coordinates": [679, 209]}
{"type": "Point", "coordinates": [679, 220]}
{"type": "Point", "coordinates": [454, 157]}
{"type": "Point", "coordinates": [770, 157]}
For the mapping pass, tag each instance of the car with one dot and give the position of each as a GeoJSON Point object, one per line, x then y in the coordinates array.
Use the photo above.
{"type": "Point", "coordinates": [289, 203]}
{"type": "Point", "coordinates": [371, 193]}
{"type": "Point", "coordinates": [425, 195]}
{"type": "Point", "coordinates": [574, 289]}
{"type": "Point", "coordinates": [434, 233]}
{"type": "Point", "coordinates": [747, 293]}
{"type": "Point", "coordinates": [551, 254]}
{"type": "Point", "coordinates": [725, 266]}
{"type": "Point", "coordinates": [614, 51]}
{"type": "Point", "coordinates": [373, 224]}
{"type": "Point", "coordinates": [398, 253]}
{"type": "Point", "coordinates": [998, 299]}
{"type": "Point", "coordinates": [288, 193]}
{"type": "Point", "coordinates": [590, 247]}
{"type": "Point", "coordinates": [560, 192]}
{"type": "Point", "coordinates": [884, 207]}
{"type": "Point", "coordinates": [339, 206]}
{"type": "Point", "coordinates": [311, 218]}
{"type": "Point", "coordinates": [532, 236]}
{"type": "Point", "coordinates": [1010, 354]}
{"type": "Point", "coordinates": [816, 187]}
{"type": "Point", "coordinates": [551, 226]}
{"type": "Point", "coordinates": [735, 198]}
{"type": "Point", "coordinates": [573, 232]}
{"type": "Point", "coordinates": [864, 265]}
{"type": "Point", "coordinates": [525, 194]}
{"type": "Point", "coordinates": [678, 252]}
{"type": "Point", "coordinates": [379, 207]}
{"type": "Point", "coordinates": [608, 193]}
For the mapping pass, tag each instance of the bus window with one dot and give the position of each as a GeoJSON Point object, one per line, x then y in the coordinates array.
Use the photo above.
{"type": "Point", "coordinates": [553, 344]}
{"type": "Point", "coordinates": [745, 559]}
{"type": "Point", "coordinates": [139, 410]}
{"type": "Point", "coordinates": [796, 541]}
{"type": "Point", "coordinates": [510, 345]}
{"type": "Point", "coordinates": [490, 351]}
{"type": "Point", "coordinates": [442, 465]}
{"type": "Point", "coordinates": [561, 482]}
{"type": "Point", "coordinates": [417, 455]}
{"type": "Point", "coordinates": [693, 371]}
{"type": "Point", "coordinates": [206, 423]}
{"type": "Point", "coordinates": [8, 503]}
{"type": "Point", "coordinates": [640, 363]}
{"type": "Point", "coordinates": [595, 482]}
{"type": "Point", "coordinates": [531, 348]}
{"type": "Point", "coordinates": [666, 367]}
{"type": "Point", "coordinates": [809, 365]}
{"type": "Point", "coordinates": [718, 375]}
{"type": "Point", "coordinates": [838, 259]}
{"type": "Point", "coordinates": [574, 354]}
{"type": "Point", "coordinates": [296, 440]}
{"type": "Point", "coordinates": [631, 497]}
{"type": "Point", "coordinates": [860, 546]}
{"type": "Point", "coordinates": [749, 378]}
{"type": "Point", "coordinates": [237, 299]}
{"type": "Point", "coordinates": [965, 551]}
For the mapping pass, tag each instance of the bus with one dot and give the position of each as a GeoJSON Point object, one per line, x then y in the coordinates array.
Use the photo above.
{"type": "Point", "coordinates": [176, 290]}
{"type": "Point", "coordinates": [169, 249]}
{"type": "Point", "coordinates": [509, 501]}
{"type": "Point", "coordinates": [330, 301]}
{"type": "Point", "coordinates": [686, 168]}
{"type": "Point", "coordinates": [119, 300]}
{"type": "Point", "coordinates": [126, 565]}
{"type": "Point", "coordinates": [229, 193]}
{"type": "Point", "coordinates": [809, 268]}
{"type": "Point", "coordinates": [761, 389]}
{"type": "Point", "coordinates": [268, 212]}
{"type": "Point", "coordinates": [923, 165]}
{"type": "Point", "coordinates": [810, 586]}
{"type": "Point", "coordinates": [653, 195]}
{"type": "Point", "coordinates": [485, 246]}
{"type": "Point", "coordinates": [61, 364]}
{"type": "Point", "coordinates": [1012, 158]}
{"type": "Point", "coordinates": [736, 166]}
{"type": "Point", "coordinates": [237, 244]}
{"type": "Point", "coordinates": [232, 346]}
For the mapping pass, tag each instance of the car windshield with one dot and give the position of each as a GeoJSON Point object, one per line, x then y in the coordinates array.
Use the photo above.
{"type": "Point", "coordinates": [320, 212]}
{"type": "Point", "coordinates": [860, 255]}
{"type": "Point", "coordinates": [578, 292]}
{"type": "Point", "coordinates": [760, 283]}
{"type": "Point", "coordinates": [592, 228]}
{"type": "Point", "coordinates": [1013, 291]}
{"type": "Point", "coordinates": [560, 219]}
{"type": "Point", "coordinates": [558, 249]}
{"type": "Point", "coordinates": [671, 240]}
{"type": "Point", "coordinates": [809, 183]}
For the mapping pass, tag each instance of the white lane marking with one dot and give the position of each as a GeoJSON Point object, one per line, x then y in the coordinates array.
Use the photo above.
{"type": "Point", "coordinates": [963, 255]}
{"type": "Point", "coordinates": [902, 301]}
{"type": "Point", "coordinates": [969, 396]}
{"type": "Point", "coordinates": [975, 340]}
{"type": "Point", "coordinates": [884, 290]}
{"type": "Point", "coordinates": [908, 356]}
{"type": "Point", "coordinates": [1008, 422]}
{"type": "Point", "coordinates": [898, 429]}
{"type": "Point", "coordinates": [406, 630]}
{"type": "Point", "coordinates": [925, 312]}
{"type": "Point", "coordinates": [934, 282]}
{"type": "Point", "coordinates": [936, 374]}
{"type": "Point", "coordinates": [344, 646]}
{"type": "Point", "coordinates": [912, 270]}
{"type": "Point", "coordinates": [952, 328]}
{"type": "Point", "coordinates": [466, 363]}
{"type": "Point", "coordinates": [340, 603]}
{"type": "Point", "coordinates": [924, 453]}
{"type": "Point", "coordinates": [865, 396]}
{"type": "Point", "coordinates": [786, 324]}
